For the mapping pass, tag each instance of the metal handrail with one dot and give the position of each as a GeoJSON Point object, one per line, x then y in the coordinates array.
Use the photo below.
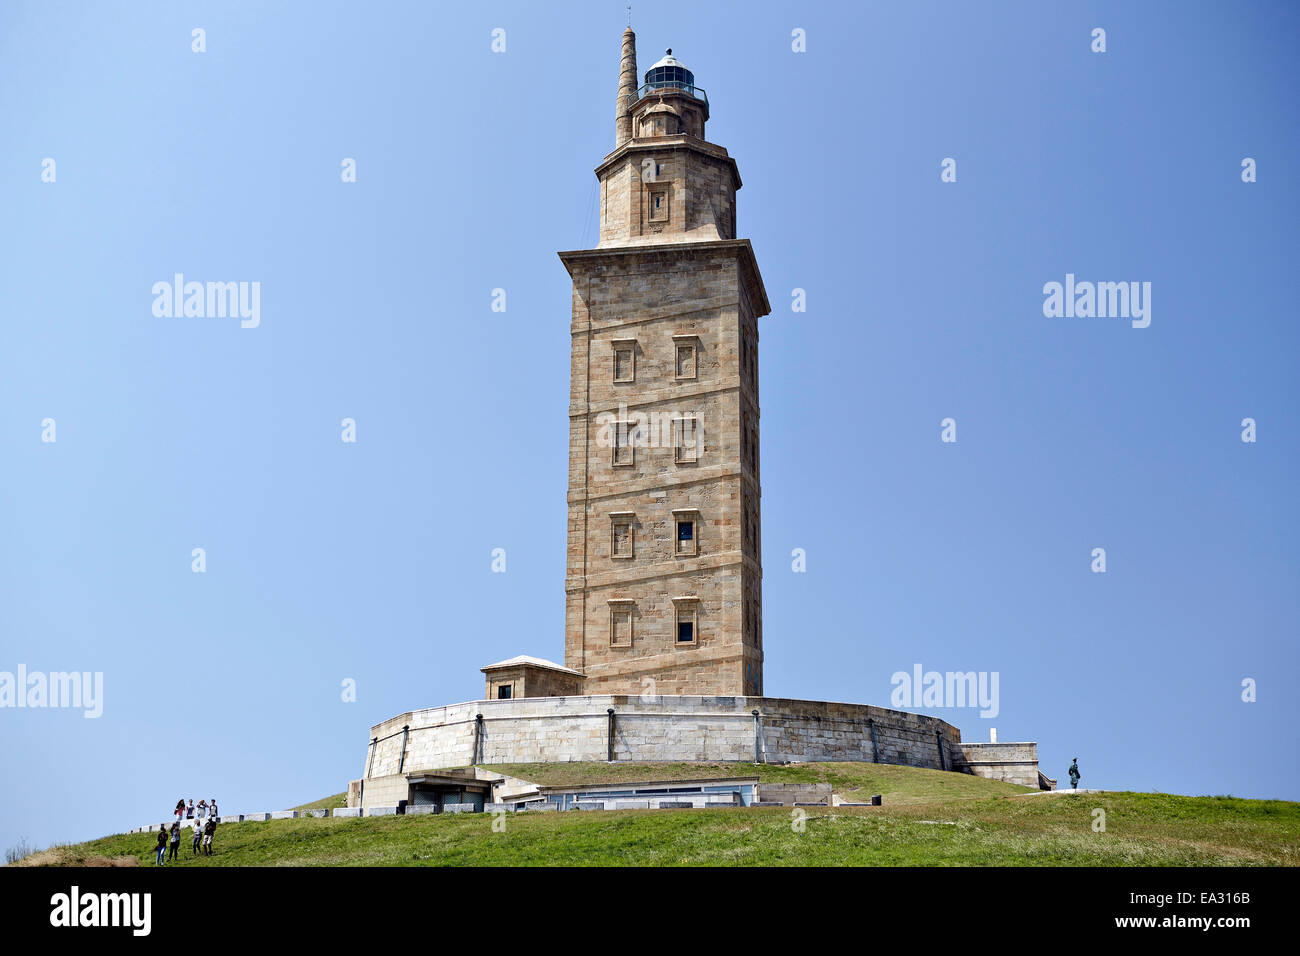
{"type": "Point", "coordinates": [689, 89]}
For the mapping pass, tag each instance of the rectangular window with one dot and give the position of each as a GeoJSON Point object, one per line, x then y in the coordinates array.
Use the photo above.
{"type": "Point", "coordinates": [624, 360]}
{"type": "Point", "coordinates": [687, 619]}
{"type": "Point", "coordinates": [686, 360]}
{"type": "Point", "coordinates": [624, 447]}
{"type": "Point", "coordinates": [503, 692]}
{"type": "Point", "coordinates": [687, 537]}
{"type": "Point", "coordinates": [621, 538]}
{"type": "Point", "coordinates": [659, 204]}
{"type": "Point", "coordinates": [620, 623]}
{"type": "Point", "coordinates": [686, 441]}
{"type": "Point", "coordinates": [623, 368]}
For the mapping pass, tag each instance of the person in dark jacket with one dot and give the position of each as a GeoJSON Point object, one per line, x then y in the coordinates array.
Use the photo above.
{"type": "Point", "coordinates": [162, 844]}
{"type": "Point", "coordinates": [209, 829]}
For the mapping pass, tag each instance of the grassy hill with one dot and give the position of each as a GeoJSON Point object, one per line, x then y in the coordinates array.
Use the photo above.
{"type": "Point", "coordinates": [928, 817]}
{"type": "Point", "coordinates": [853, 781]}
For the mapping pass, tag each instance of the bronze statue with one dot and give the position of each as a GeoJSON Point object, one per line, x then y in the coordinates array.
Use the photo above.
{"type": "Point", "coordinates": [1074, 774]}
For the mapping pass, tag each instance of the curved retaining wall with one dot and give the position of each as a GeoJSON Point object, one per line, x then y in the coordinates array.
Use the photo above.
{"type": "Point", "coordinates": [559, 729]}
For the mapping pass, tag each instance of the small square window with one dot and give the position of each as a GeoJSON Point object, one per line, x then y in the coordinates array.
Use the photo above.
{"type": "Point", "coordinates": [504, 691]}
{"type": "Point", "coordinates": [685, 632]}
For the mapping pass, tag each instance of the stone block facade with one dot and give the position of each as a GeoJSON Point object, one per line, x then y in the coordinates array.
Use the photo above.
{"type": "Point", "coordinates": [663, 582]}
{"type": "Point", "coordinates": [1011, 762]}
{"type": "Point", "coordinates": [544, 730]}
{"type": "Point", "coordinates": [530, 677]}
{"type": "Point", "coordinates": [663, 501]}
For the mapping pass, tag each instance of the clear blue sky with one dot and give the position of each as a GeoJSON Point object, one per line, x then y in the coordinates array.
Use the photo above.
{"type": "Point", "coordinates": [372, 561]}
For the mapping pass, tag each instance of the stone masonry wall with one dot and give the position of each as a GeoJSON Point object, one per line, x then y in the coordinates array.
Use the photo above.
{"type": "Point", "coordinates": [650, 295]}
{"type": "Point", "coordinates": [1012, 762]}
{"type": "Point", "coordinates": [558, 729]}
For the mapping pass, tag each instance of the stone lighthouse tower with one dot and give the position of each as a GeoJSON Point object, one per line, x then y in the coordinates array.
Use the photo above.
{"type": "Point", "coordinates": [663, 640]}
{"type": "Point", "coordinates": [664, 579]}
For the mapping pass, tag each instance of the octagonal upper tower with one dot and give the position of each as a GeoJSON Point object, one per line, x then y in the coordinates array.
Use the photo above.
{"type": "Point", "coordinates": [664, 182]}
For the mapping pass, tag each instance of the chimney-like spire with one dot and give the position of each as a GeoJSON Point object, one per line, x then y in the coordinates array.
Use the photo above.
{"type": "Point", "coordinates": [627, 87]}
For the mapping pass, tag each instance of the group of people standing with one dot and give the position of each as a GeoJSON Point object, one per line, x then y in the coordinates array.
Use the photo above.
{"type": "Point", "coordinates": [203, 819]}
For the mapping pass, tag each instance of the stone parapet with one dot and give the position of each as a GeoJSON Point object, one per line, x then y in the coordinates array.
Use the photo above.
{"type": "Point", "coordinates": [671, 728]}
{"type": "Point", "coordinates": [1010, 762]}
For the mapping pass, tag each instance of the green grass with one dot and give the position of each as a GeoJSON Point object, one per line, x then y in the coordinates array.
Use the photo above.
{"type": "Point", "coordinates": [855, 782]}
{"type": "Point", "coordinates": [928, 818]}
{"type": "Point", "coordinates": [326, 803]}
